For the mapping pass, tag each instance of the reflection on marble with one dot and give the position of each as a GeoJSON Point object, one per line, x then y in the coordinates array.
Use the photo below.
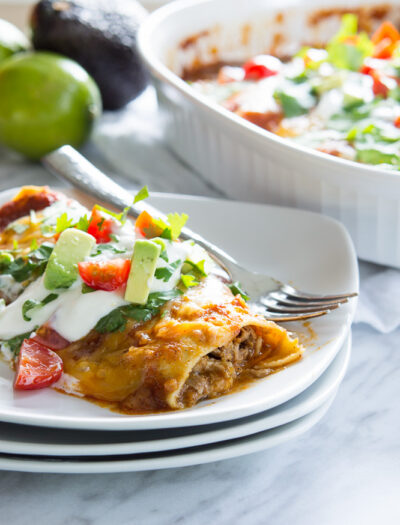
{"type": "Point", "coordinates": [346, 470]}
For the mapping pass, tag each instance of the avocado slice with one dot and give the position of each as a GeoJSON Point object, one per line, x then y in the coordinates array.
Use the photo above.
{"type": "Point", "coordinates": [144, 261]}
{"type": "Point", "coordinates": [72, 247]}
{"type": "Point", "coordinates": [101, 36]}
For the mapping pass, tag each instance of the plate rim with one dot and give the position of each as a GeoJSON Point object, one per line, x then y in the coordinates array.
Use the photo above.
{"type": "Point", "coordinates": [205, 454]}
{"type": "Point", "coordinates": [263, 423]}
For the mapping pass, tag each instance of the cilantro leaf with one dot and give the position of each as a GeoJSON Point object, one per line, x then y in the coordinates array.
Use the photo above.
{"type": "Point", "coordinates": [122, 216]}
{"type": "Point", "coordinates": [111, 322]}
{"type": "Point", "coordinates": [295, 100]}
{"type": "Point", "coordinates": [87, 289]}
{"type": "Point", "coordinates": [34, 245]}
{"type": "Point", "coordinates": [63, 222]}
{"type": "Point", "coordinates": [116, 320]}
{"type": "Point", "coordinates": [197, 266]}
{"type": "Point", "coordinates": [6, 259]}
{"type": "Point", "coordinates": [176, 222]}
{"type": "Point", "coordinates": [31, 304]}
{"type": "Point", "coordinates": [107, 247]}
{"type": "Point", "coordinates": [32, 265]}
{"type": "Point", "coordinates": [164, 256]}
{"type": "Point", "coordinates": [83, 223]}
{"type": "Point", "coordinates": [141, 195]}
{"type": "Point", "coordinates": [15, 343]}
{"type": "Point", "coordinates": [189, 281]}
{"type": "Point", "coordinates": [236, 289]}
{"type": "Point", "coordinates": [165, 273]}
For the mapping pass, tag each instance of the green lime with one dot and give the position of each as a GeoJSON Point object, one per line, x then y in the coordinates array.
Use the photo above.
{"type": "Point", "coordinates": [12, 40]}
{"type": "Point", "coordinates": [46, 101]}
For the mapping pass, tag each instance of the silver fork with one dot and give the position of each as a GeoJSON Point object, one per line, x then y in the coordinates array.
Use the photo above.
{"type": "Point", "coordinates": [276, 300]}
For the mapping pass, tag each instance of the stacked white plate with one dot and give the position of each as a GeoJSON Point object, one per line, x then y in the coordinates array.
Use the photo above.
{"type": "Point", "coordinates": [45, 431]}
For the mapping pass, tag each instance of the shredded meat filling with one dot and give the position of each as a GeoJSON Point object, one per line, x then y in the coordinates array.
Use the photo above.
{"type": "Point", "coordinates": [217, 372]}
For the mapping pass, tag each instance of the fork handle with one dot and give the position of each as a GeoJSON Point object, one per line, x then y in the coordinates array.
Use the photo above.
{"type": "Point", "coordinates": [68, 164]}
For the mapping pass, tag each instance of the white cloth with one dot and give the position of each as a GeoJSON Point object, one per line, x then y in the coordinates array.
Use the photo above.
{"type": "Point", "coordinates": [379, 301]}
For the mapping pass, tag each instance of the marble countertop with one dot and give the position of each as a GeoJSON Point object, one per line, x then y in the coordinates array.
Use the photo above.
{"type": "Point", "coordinates": [345, 470]}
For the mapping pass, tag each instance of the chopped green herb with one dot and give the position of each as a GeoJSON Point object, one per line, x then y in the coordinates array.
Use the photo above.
{"type": "Point", "coordinates": [100, 224]}
{"type": "Point", "coordinates": [114, 237]}
{"type": "Point", "coordinates": [166, 272]}
{"type": "Point", "coordinates": [83, 223]}
{"type": "Point", "coordinates": [164, 256]}
{"type": "Point", "coordinates": [198, 267]}
{"type": "Point", "coordinates": [111, 322]}
{"type": "Point", "coordinates": [141, 195]}
{"type": "Point", "coordinates": [34, 245]}
{"type": "Point", "coordinates": [32, 265]}
{"type": "Point", "coordinates": [236, 289]}
{"type": "Point", "coordinates": [14, 344]}
{"type": "Point", "coordinates": [176, 222]}
{"type": "Point", "coordinates": [106, 247]}
{"type": "Point", "coordinates": [295, 100]}
{"type": "Point", "coordinates": [87, 289]}
{"type": "Point", "coordinates": [63, 222]}
{"type": "Point", "coordinates": [6, 259]}
{"type": "Point", "coordinates": [116, 320]}
{"type": "Point", "coordinates": [189, 280]}
{"type": "Point", "coordinates": [15, 245]}
{"type": "Point", "coordinates": [31, 304]}
{"type": "Point", "coordinates": [121, 217]}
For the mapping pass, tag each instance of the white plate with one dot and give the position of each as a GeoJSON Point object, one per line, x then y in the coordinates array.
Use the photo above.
{"type": "Point", "coordinates": [20, 439]}
{"type": "Point", "coordinates": [312, 251]}
{"type": "Point", "coordinates": [193, 456]}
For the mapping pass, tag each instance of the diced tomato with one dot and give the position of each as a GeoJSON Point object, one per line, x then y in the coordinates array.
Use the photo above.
{"type": "Point", "coordinates": [385, 30]}
{"type": "Point", "coordinates": [100, 226]}
{"type": "Point", "coordinates": [384, 49]}
{"type": "Point", "coordinates": [366, 69]}
{"type": "Point", "coordinates": [379, 87]}
{"type": "Point", "coordinates": [385, 39]}
{"type": "Point", "coordinates": [49, 337]}
{"type": "Point", "coordinates": [37, 366]}
{"type": "Point", "coordinates": [259, 68]}
{"type": "Point", "coordinates": [105, 275]}
{"type": "Point", "coordinates": [146, 226]}
{"type": "Point", "coordinates": [397, 122]}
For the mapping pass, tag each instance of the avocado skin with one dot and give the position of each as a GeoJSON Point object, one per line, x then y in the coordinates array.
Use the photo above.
{"type": "Point", "coordinates": [101, 36]}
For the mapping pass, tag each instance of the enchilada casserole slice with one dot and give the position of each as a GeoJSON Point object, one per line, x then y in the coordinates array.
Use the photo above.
{"type": "Point", "coordinates": [125, 314]}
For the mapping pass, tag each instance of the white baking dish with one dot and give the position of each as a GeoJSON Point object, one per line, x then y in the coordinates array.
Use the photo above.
{"type": "Point", "coordinates": [247, 162]}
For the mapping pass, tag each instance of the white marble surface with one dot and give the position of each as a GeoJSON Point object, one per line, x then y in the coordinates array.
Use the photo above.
{"type": "Point", "coordinates": [346, 470]}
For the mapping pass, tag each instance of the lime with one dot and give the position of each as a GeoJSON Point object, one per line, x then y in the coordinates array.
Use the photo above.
{"type": "Point", "coordinates": [46, 101]}
{"type": "Point", "coordinates": [12, 40]}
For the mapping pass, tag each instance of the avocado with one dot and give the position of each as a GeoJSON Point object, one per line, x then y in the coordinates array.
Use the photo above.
{"type": "Point", "coordinates": [101, 36]}
{"type": "Point", "coordinates": [71, 248]}
{"type": "Point", "coordinates": [12, 40]}
{"type": "Point", "coordinates": [144, 261]}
